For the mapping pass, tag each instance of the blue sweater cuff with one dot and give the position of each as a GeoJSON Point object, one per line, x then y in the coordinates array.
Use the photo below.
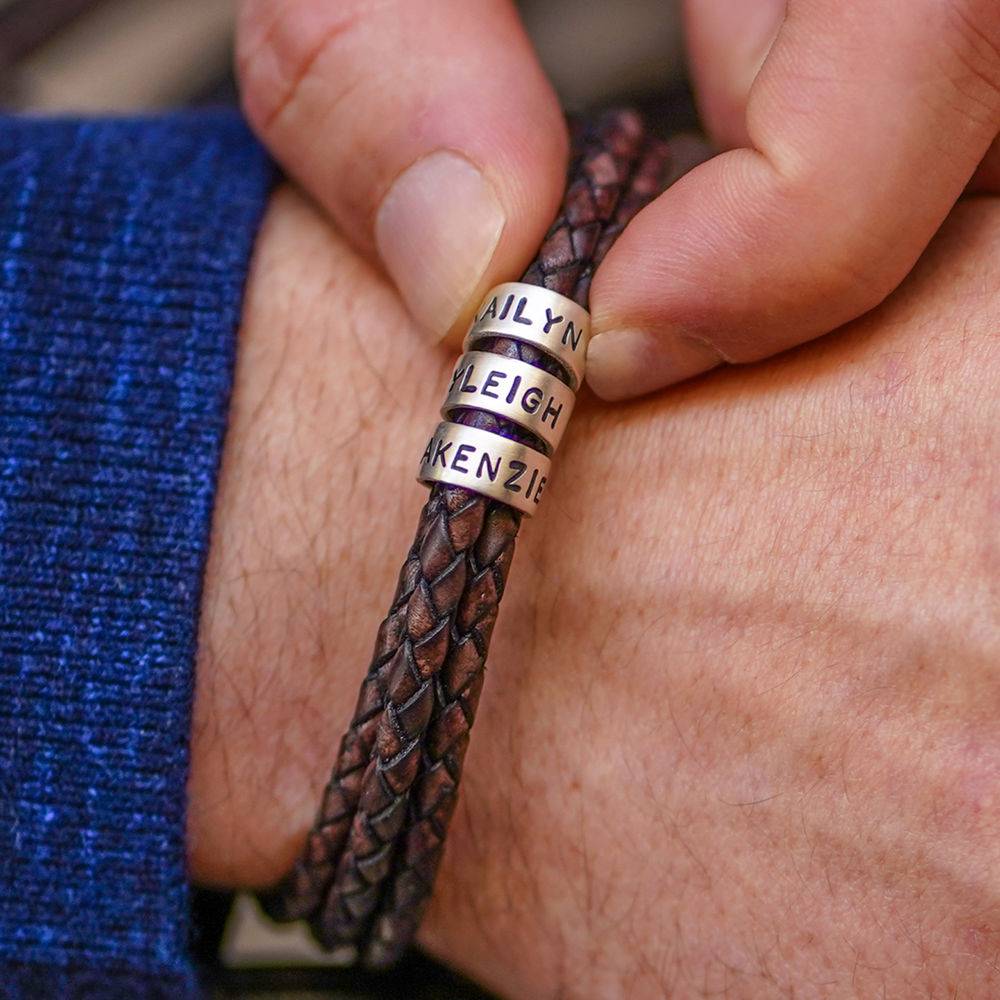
{"type": "Point", "coordinates": [123, 252]}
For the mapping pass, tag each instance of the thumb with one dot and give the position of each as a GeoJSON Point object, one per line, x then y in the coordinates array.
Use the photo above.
{"type": "Point", "coordinates": [426, 128]}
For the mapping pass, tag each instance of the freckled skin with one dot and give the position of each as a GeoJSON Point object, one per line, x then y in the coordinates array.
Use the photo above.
{"type": "Point", "coordinates": [739, 733]}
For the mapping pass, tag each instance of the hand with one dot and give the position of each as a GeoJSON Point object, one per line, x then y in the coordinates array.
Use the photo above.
{"type": "Point", "coordinates": [428, 131]}
{"type": "Point", "coordinates": [424, 127]}
{"type": "Point", "coordinates": [739, 734]}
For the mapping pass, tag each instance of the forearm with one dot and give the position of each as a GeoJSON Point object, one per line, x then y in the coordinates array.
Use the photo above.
{"type": "Point", "coordinates": [738, 731]}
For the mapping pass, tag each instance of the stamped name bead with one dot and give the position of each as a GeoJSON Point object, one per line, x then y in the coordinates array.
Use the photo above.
{"type": "Point", "coordinates": [485, 463]}
{"type": "Point", "coordinates": [531, 397]}
{"type": "Point", "coordinates": [538, 316]}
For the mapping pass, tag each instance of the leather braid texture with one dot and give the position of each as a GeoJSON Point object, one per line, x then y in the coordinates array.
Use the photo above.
{"type": "Point", "coordinates": [368, 866]}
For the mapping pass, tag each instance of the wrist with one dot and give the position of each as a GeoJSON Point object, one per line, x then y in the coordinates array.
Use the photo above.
{"type": "Point", "coordinates": [316, 492]}
{"type": "Point", "coordinates": [751, 653]}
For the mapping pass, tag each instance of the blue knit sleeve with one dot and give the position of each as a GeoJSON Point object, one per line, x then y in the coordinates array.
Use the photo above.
{"type": "Point", "coordinates": [123, 253]}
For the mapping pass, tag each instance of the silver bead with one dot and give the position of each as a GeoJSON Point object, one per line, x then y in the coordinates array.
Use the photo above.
{"type": "Point", "coordinates": [538, 316]}
{"type": "Point", "coordinates": [485, 463]}
{"type": "Point", "coordinates": [533, 398]}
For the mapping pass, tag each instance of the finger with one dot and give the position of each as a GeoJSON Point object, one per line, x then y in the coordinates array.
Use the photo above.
{"type": "Point", "coordinates": [425, 127]}
{"type": "Point", "coordinates": [866, 123]}
{"type": "Point", "coordinates": [727, 42]}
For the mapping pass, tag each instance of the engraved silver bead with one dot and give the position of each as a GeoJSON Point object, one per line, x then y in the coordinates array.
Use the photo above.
{"type": "Point", "coordinates": [538, 316]}
{"type": "Point", "coordinates": [485, 463]}
{"type": "Point", "coordinates": [532, 398]}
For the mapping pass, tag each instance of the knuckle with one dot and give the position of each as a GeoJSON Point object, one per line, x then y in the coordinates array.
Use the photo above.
{"type": "Point", "coordinates": [280, 45]}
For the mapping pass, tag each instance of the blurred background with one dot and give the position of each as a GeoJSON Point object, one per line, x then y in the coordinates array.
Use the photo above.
{"type": "Point", "coordinates": [128, 56]}
{"type": "Point", "coordinates": [90, 56]}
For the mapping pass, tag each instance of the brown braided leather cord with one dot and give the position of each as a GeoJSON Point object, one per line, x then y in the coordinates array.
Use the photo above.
{"type": "Point", "coordinates": [369, 862]}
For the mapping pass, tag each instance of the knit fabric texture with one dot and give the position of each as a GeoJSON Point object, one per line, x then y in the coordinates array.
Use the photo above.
{"type": "Point", "coordinates": [124, 246]}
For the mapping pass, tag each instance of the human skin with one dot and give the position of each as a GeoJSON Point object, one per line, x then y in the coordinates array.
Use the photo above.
{"type": "Point", "coordinates": [848, 130]}
{"type": "Point", "coordinates": [739, 735]}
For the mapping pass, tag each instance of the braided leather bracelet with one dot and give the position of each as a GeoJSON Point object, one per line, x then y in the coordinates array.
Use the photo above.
{"type": "Point", "coordinates": [368, 866]}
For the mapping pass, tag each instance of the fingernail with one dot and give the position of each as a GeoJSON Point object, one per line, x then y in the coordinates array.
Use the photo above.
{"type": "Point", "coordinates": [436, 231]}
{"type": "Point", "coordinates": [626, 363]}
